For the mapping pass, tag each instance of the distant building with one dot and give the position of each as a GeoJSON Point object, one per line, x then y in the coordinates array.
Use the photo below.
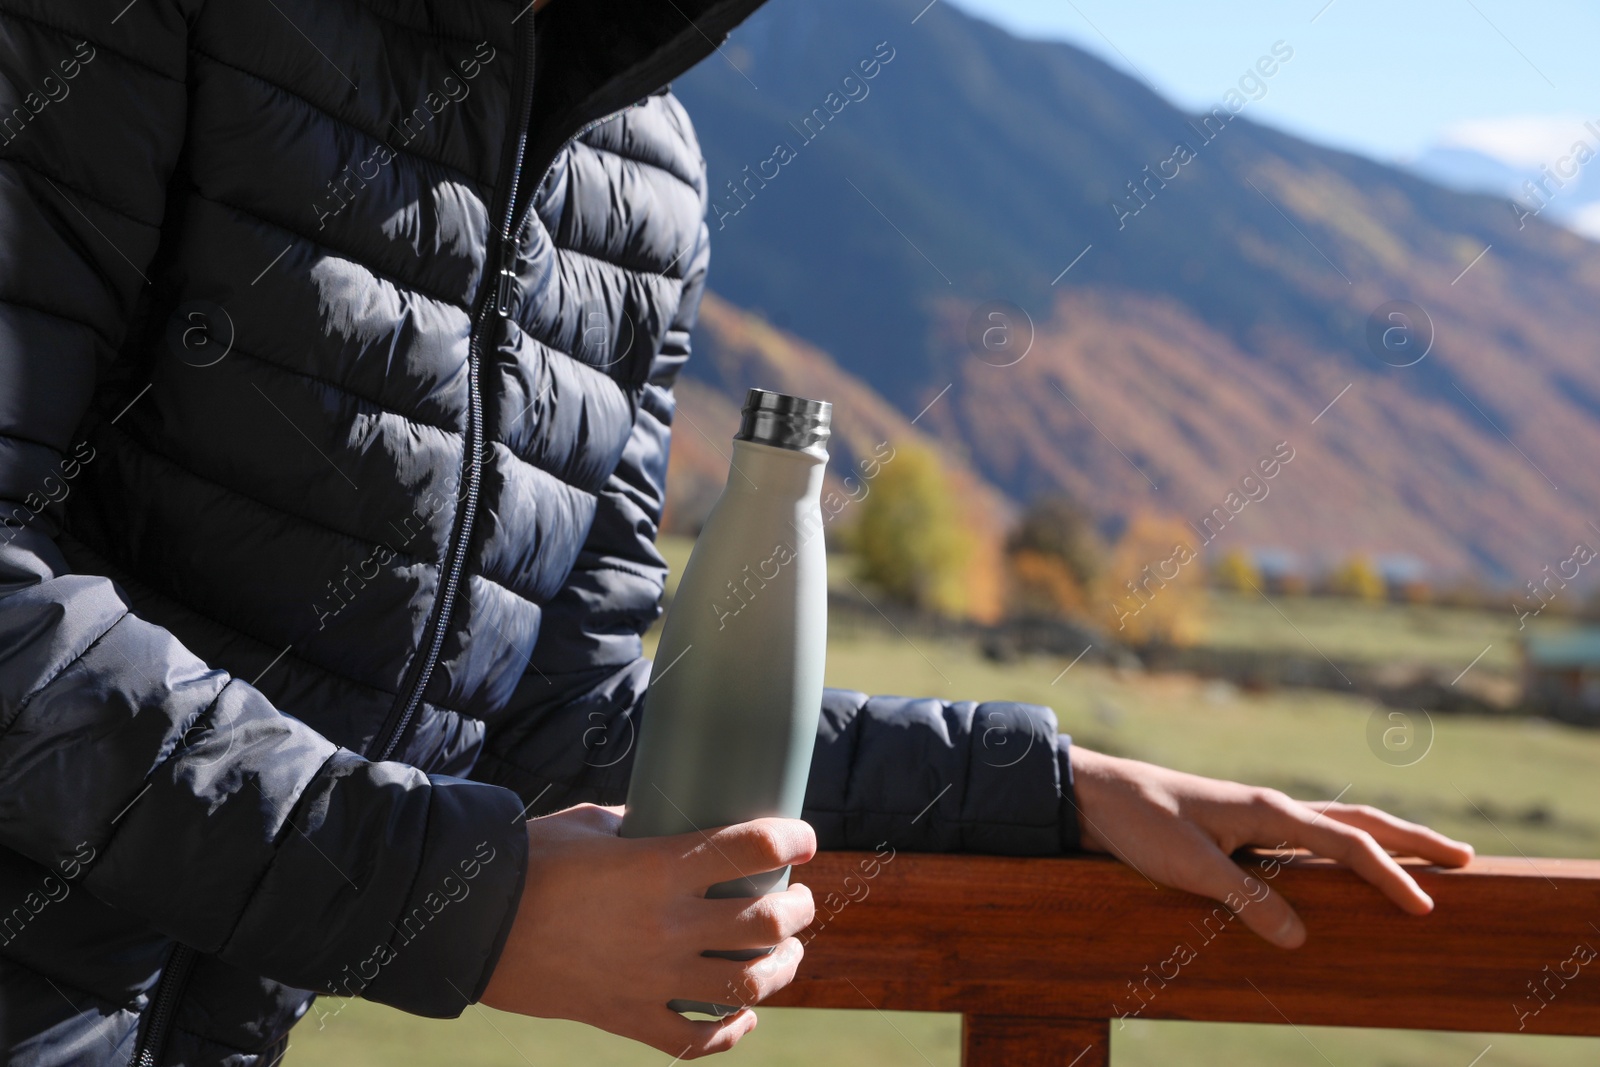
{"type": "Point", "coordinates": [1561, 674]}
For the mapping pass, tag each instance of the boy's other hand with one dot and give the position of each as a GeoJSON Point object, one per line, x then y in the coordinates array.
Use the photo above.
{"type": "Point", "coordinates": [1180, 830]}
{"type": "Point", "coordinates": [609, 928]}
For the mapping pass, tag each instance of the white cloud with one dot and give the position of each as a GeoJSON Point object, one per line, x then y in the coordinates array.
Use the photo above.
{"type": "Point", "coordinates": [1585, 220]}
{"type": "Point", "coordinates": [1522, 141]}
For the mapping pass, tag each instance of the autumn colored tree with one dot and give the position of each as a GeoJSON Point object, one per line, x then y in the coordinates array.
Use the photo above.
{"type": "Point", "coordinates": [1236, 571]}
{"type": "Point", "coordinates": [1152, 590]}
{"type": "Point", "coordinates": [1056, 525]}
{"type": "Point", "coordinates": [1358, 577]}
{"type": "Point", "coordinates": [1042, 585]}
{"type": "Point", "coordinates": [1053, 556]}
{"type": "Point", "coordinates": [910, 541]}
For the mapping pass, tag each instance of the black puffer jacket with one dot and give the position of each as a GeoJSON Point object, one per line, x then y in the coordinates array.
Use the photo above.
{"type": "Point", "coordinates": [336, 347]}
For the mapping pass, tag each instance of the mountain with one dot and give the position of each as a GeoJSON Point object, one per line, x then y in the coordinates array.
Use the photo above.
{"type": "Point", "coordinates": [1541, 161]}
{"type": "Point", "coordinates": [1199, 290]}
{"type": "Point", "coordinates": [736, 350]}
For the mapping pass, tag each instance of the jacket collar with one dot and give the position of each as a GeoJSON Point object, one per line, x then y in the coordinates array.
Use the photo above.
{"type": "Point", "coordinates": [594, 57]}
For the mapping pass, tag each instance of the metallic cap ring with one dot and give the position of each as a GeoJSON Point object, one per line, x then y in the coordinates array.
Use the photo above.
{"type": "Point", "coordinates": [784, 421]}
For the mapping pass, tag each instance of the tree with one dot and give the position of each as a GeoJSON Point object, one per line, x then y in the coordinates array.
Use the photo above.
{"type": "Point", "coordinates": [1043, 585]}
{"type": "Point", "coordinates": [1358, 577]}
{"type": "Point", "coordinates": [1056, 525]}
{"type": "Point", "coordinates": [1152, 590]}
{"type": "Point", "coordinates": [910, 541]}
{"type": "Point", "coordinates": [1237, 572]}
{"type": "Point", "coordinates": [1053, 555]}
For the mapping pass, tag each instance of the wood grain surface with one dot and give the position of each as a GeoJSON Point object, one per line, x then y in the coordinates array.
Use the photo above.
{"type": "Point", "coordinates": [1081, 940]}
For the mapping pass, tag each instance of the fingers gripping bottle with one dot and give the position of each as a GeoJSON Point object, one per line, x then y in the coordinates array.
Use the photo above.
{"type": "Point", "coordinates": [730, 718]}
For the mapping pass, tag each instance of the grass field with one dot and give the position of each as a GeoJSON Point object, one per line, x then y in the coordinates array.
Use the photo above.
{"type": "Point", "coordinates": [1341, 629]}
{"type": "Point", "coordinates": [1507, 785]}
{"type": "Point", "coordinates": [366, 1035]}
{"type": "Point", "coordinates": [1503, 784]}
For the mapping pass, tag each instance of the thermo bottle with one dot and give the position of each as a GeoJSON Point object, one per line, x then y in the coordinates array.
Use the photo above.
{"type": "Point", "coordinates": [730, 717]}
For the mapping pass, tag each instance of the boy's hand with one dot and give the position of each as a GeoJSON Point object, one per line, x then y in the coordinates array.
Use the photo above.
{"type": "Point", "coordinates": [1179, 829]}
{"type": "Point", "coordinates": [611, 928]}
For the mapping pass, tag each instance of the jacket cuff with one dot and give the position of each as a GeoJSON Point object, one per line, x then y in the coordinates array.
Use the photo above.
{"type": "Point", "coordinates": [1070, 836]}
{"type": "Point", "coordinates": [934, 776]}
{"type": "Point", "coordinates": [449, 933]}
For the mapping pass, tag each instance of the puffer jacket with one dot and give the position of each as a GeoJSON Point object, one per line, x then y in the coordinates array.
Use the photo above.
{"type": "Point", "coordinates": [337, 340]}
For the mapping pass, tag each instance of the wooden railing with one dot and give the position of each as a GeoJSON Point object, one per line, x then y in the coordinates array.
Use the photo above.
{"type": "Point", "coordinates": [1041, 956]}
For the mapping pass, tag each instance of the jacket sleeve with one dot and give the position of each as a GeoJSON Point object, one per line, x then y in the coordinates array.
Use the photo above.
{"type": "Point", "coordinates": [189, 800]}
{"type": "Point", "coordinates": [940, 776]}
{"type": "Point", "coordinates": [924, 775]}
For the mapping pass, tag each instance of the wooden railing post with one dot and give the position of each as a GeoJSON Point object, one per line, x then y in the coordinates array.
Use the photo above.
{"type": "Point", "coordinates": [1029, 1041]}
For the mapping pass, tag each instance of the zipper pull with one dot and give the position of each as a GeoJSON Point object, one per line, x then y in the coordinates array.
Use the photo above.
{"type": "Point", "coordinates": [505, 290]}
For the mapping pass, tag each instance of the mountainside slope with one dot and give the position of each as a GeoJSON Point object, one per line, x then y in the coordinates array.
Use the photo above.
{"type": "Point", "coordinates": [1209, 312]}
{"type": "Point", "coordinates": [736, 351]}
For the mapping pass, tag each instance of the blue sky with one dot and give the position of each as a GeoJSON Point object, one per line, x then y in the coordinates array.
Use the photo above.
{"type": "Point", "coordinates": [1387, 78]}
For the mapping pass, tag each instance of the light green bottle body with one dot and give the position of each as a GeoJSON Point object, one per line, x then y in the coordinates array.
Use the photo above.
{"type": "Point", "coordinates": [730, 717]}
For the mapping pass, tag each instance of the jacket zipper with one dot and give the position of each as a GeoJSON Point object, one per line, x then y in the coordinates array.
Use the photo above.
{"type": "Point", "coordinates": [162, 1006]}
{"type": "Point", "coordinates": [493, 297]}
{"type": "Point", "coordinates": [496, 299]}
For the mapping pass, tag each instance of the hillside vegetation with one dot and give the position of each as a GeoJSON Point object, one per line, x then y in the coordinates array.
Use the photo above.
{"type": "Point", "coordinates": [1214, 312]}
